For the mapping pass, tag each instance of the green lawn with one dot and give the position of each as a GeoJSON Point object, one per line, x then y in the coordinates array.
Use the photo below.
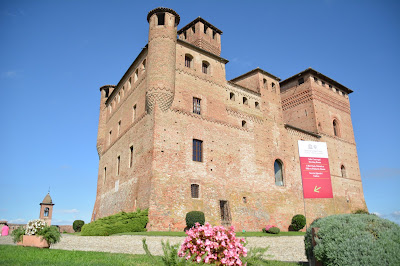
{"type": "Point", "coordinates": [239, 234]}
{"type": "Point", "coordinates": [17, 255]}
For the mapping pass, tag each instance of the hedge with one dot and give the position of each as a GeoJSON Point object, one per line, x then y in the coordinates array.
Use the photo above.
{"type": "Point", "coordinates": [354, 239]}
{"type": "Point", "coordinates": [117, 223]}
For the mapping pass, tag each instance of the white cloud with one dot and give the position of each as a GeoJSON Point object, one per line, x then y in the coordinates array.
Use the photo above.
{"type": "Point", "coordinates": [67, 211]}
{"type": "Point", "coordinates": [17, 221]}
{"type": "Point", "coordinates": [9, 74]}
{"type": "Point", "coordinates": [383, 173]}
{"type": "Point", "coordinates": [377, 213]}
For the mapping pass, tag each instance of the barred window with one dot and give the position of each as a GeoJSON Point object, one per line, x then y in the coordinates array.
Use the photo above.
{"type": "Point", "coordinates": [194, 189]}
{"type": "Point", "coordinates": [188, 61]}
{"type": "Point", "coordinates": [196, 105]}
{"type": "Point", "coordinates": [197, 150]}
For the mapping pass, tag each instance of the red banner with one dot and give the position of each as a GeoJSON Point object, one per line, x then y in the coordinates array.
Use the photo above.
{"type": "Point", "coordinates": [315, 171]}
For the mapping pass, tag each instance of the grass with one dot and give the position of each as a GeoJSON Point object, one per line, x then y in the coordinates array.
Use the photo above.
{"type": "Point", "coordinates": [239, 234]}
{"type": "Point", "coordinates": [17, 255]}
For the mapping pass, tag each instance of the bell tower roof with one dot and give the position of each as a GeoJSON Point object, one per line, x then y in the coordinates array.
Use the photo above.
{"type": "Point", "coordinates": [47, 200]}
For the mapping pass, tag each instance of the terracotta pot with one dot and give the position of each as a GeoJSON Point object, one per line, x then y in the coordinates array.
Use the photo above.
{"type": "Point", "coordinates": [34, 241]}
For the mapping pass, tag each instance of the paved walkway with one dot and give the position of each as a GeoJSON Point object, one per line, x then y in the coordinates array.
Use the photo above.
{"type": "Point", "coordinates": [283, 248]}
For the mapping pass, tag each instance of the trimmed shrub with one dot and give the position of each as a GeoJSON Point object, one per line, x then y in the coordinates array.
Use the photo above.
{"type": "Point", "coordinates": [117, 223]}
{"type": "Point", "coordinates": [274, 230]}
{"type": "Point", "coordinates": [298, 222]}
{"type": "Point", "coordinates": [194, 217]}
{"type": "Point", "coordinates": [77, 225]}
{"type": "Point", "coordinates": [361, 211]}
{"type": "Point", "coordinates": [354, 239]}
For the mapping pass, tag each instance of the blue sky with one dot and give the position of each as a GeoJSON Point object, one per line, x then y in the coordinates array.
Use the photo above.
{"type": "Point", "coordinates": [56, 54]}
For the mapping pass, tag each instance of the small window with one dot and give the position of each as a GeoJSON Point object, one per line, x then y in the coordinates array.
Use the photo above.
{"type": "Point", "coordinates": [245, 101]}
{"type": "Point", "coordinates": [278, 167]}
{"type": "Point", "coordinates": [273, 86]}
{"type": "Point", "coordinates": [205, 29]}
{"type": "Point", "coordinates": [119, 127]}
{"type": "Point", "coordinates": [119, 97]}
{"type": "Point", "coordinates": [335, 128]}
{"type": "Point", "coordinates": [315, 79]}
{"type": "Point", "coordinates": [244, 124]}
{"type": "Point", "coordinates": [130, 83]}
{"type": "Point", "coordinates": [185, 35]}
{"type": "Point", "coordinates": [330, 86]}
{"type": "Point", "coordinates": [188, 61]}
{"type": "Point", "coordinates": [301, 81]}
{"type": "Point", "coordinates": [144, 64]}
{"type": "Point", "coordinates": [232, 96]}
{"type": "Point", "coordinates": [197, 150]}
{"type": "Point", "coordinates": [193, 29]}
{"type": "Point", "coordinates": [194, 189]}
{"type": "Point", "coordinates": [134, 113]}
{"type": "Point", "coordinates": [46, 212]}
{"type": "Point", "coordinates": [161, 18]}
{"type": "Point", "coordinates": [118, 164]}
{"type": "Point", "coordinates": [257, 105]}
{"type": "Point", "coordinates": [109, 137]}
{"type": "Point", "coordinates": [205, 66]}
{"type": "Point", "coordinates": [196, 105]}
{"type": "Point", "coordinates": [265, 83]}
{"type": "Point", "coordinates": [343, 171]}
{"type": "Point", "coordinates": [244, 200]}
{"type": "Point", "coordinates": [323, 83]}
{"type": "Point", "coordinates": [214, 33]}
{"type": "Point", "coordinates": [130, 156]}
{"type": "Point", "coordinates": [105, 175]}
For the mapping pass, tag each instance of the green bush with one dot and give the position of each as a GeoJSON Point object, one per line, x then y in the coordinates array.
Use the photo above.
{"type": "Point", "coordinates": [361, 211]}
{"type": "Point", "coordinates": [274, 230]}
{"type": "Point", "coordinates": [194, 217]}
{"type": "Point", "coordinates": [17, 234]}
{"type": "Point", "coordinates": [117, 223]}
{"type": "Point", "coordinates": [298, 222]}
{"type": "Point", "coordinates": [50, 234]}
{"type": "Point", "coordinates": [354, 239]}
{"type": "Point", "coordinates": [77, 225]}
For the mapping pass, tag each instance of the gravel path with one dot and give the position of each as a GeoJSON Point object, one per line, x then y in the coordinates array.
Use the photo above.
{"type": "Point", "coordinates": [283, 248]}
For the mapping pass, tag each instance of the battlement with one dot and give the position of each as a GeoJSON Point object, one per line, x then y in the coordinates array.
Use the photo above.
{"type": "Point", "coordinates": [202, 34]}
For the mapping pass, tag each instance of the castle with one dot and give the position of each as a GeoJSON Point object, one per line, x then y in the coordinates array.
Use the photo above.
{"type": "Point", "coordinates": [175, 136]}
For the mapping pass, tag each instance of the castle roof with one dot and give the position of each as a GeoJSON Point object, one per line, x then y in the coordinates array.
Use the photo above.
{"type": "Point", "coordinates": [164, 9]}
{"type": "Point", "coordinates": [205, 22]}
{"type": "Point", "coordinates": [47, 200]}
{"type": "Point", "coordinates": [253, 71]}
{"type": "Point", "coordinates": [320, 76]}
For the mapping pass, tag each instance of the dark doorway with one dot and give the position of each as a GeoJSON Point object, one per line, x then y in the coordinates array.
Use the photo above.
{"type": "Point", "coordinates": [225, 213]}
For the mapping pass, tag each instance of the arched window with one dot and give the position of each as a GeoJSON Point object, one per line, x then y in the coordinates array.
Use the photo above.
{"type": "Point", "coordinates": [273, 87]}
{"type": "Point", "coordinates": [188, 60]}
{"type": "Point", "coordinates": [232, 96]}
{"type": "Point", "coordinates": [343, 171]}
{"type": "Point", "coordinates": [245, 101]}
{"type": "Point", "coordinates": [205, 67]}
{"type": "Point", "coordinates": [278, 167]}
{"type": "Point", "coordinates": [335, 128]}
{"type": "Point", "coordinates": [257, 105]}
{"type": "Point", "coordinates": [46, 212]}
{"type": "Point", "coordinates": [244, 124]}
{"type": "Point", "coordinates": [265, 83]}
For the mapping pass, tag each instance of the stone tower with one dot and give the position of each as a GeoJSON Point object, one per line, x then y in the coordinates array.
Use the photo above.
{"type": "Point", "coordinates": [161, 59]}
{"type": "Point", "coordinates": [46, 209]}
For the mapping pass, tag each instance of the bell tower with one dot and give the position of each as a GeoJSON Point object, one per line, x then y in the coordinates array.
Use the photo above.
{"type": "Point", "coordinates": [161, 58]}
{"type": "Point", "coordinates": [46, 209]}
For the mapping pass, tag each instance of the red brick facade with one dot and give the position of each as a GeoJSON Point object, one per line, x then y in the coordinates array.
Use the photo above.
{"type": "Point", "coordinates": [148, 123]}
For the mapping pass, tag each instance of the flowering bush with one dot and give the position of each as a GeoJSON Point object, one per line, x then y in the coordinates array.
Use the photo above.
{"type": "Point", "coordinates": [210, 244]}
{"type": "Point", "coordinates": [33, 226]}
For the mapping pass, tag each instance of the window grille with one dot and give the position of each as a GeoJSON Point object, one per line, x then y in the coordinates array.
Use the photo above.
{"type": "Point", "coordinates": [197, 150]}
{"type": "Point", "coordinates": [194, 188]}
{"type": "Point", "coordinates": [196, 106]}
